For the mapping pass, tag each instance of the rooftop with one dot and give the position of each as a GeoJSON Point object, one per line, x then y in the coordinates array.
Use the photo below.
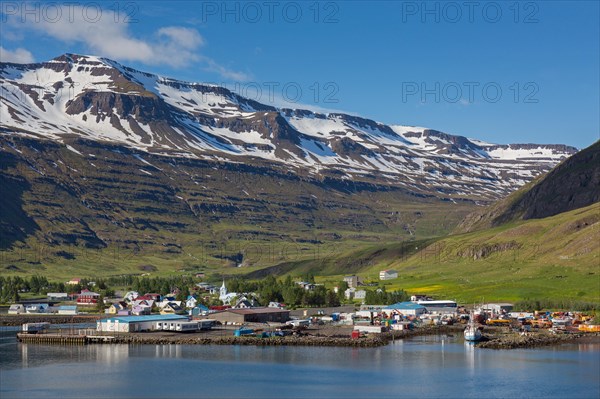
{"type": "Point", "coordinates": [257, 310]}
{"type": "Point", "coordinates": [405, 305]}
{"type": "Point", "coordinates": [154, 317]}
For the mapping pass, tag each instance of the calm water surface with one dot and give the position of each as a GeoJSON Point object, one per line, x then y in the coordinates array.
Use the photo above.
{"type": "Point", "coordinates": [421, 367]}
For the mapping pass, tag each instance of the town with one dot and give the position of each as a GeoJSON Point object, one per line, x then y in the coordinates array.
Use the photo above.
{"type": "Point", "coordinates": [349, 312]}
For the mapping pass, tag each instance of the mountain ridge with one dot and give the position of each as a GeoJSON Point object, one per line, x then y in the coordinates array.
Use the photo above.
{"type": "Point", "coordinates": [100, 99]}
{"type": "Point", "coordinates": [104, 158]}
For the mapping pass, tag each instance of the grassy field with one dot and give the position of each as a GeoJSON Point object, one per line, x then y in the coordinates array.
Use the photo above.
{"type": "Point", "coordinates": [71, 217]}
{"type": "Point", "coordinates": [75, 218]}
{"type": "Point", "coordinates": [556, 257]}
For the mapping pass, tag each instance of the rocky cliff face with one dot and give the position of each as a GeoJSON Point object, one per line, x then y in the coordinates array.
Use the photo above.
{"type": "Point", "coordinates": [573, 184]}
{"type": "Point", "coordinates": [96, 153]}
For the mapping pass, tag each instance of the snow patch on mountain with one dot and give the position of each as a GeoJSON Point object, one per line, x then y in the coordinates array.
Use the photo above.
{"type": "Point", "coordinates": [102, 100]}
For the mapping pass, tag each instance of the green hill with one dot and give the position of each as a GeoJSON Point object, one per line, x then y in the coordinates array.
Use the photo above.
{"type": "Point", "coordinates": [573, 184]}
{"type": "Point", "coordinates": [552, 258]}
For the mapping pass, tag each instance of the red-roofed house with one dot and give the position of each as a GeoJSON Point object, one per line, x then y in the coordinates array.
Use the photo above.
{"type": "Point", "coordinates": [87, 297]}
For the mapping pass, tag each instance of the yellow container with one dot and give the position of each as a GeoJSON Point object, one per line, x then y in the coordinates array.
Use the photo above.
{"type": "Point", "coordinates": [589, 328]}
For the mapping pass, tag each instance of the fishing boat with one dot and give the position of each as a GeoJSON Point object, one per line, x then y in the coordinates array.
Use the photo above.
{"type": "Point", "coordinates": [471, 332]}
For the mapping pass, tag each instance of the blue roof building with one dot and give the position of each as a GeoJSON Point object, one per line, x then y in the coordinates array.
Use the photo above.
{"type": "Point", "coordinates": [137, 323]}
{"type": "Point", "coordinates": [405, 308]}
{"type": "Point", "coordinates": [68, 309]}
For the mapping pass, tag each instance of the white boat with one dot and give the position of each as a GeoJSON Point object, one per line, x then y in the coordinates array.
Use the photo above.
{"type": "Point", "coordinates": [472, 333]}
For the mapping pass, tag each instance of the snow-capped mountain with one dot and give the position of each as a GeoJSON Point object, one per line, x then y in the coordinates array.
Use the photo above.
{"type": "Point", "coordinates": [92, 98]}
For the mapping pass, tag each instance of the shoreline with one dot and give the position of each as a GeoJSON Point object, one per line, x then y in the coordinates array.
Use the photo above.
{"type": "Point", "coordinates": [535, 340]}
{"type": "Point", "coordinates": [496, 338]}
{"type": "Point", "coordinates": [18, 320]}
{"type": "Point", "coordinates": [339, 340]}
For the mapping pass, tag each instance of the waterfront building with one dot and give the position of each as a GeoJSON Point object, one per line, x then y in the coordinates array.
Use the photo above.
{"type": "Point", "coordinates": [404, 308]}
{"type": "Point", "coordinates": [440, 307]}
{"type": "Point", "coordinates": [136, 323]}
{"type": "Point", "coordinates": [252, 315]}
{"type": "Point", "coordinates": [16, 308]}
{"type": "Point", "coordinates": [37, 308]}
{"type": "Point", "coordinates": [68, 310]}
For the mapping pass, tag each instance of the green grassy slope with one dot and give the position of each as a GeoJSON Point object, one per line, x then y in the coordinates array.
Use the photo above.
{"type": "Point", "coordinates": [552, 258]}
{"type": "Point", "coordinates": [112, 213]}
{"type": "Point", "coordinates": [572, 184]}
{"type": "Point", "coordinates": [555, 257]}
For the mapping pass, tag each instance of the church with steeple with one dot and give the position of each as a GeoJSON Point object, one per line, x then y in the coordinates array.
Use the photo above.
{"type": "Point", "coordinates": [224, 296]}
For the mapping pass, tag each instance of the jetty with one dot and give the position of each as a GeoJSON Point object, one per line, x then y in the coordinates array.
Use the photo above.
{"type": "Point", "coordinates": [62, 339]}
{"type": "Point", "coordinates": [81, 337]}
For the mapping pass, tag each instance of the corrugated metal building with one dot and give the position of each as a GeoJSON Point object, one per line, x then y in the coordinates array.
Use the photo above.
{"type": "Point", "coordinates": [252, 315]}
{"type": "Point", "coordinates": [405, 308]}
{"type": "Point", "coordinates": [68, 310]}
{"type": "Point", "coordinates": [137, 323]}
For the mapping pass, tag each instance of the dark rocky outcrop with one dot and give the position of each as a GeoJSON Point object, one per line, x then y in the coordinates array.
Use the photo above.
{"type": "Point", "coordinates": [573, 184]}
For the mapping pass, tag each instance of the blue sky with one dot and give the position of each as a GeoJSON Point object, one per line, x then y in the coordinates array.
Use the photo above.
{"type": "Point", "coordinates": [503, 72]}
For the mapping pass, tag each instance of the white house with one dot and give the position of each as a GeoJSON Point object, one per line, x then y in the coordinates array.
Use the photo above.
{"type": "Point", "coordinates": [191, 302]}
{"type": "Point", "coordinates": [360, 294]}
{"type": "Point", "coordinates": [388, 274]}
{"type": "Point", "coordinates": [143, 302]}
{"type": "Point", "coordinates": [37, 308]}
{"type": "Point", "coordinates": [243, 304]}
{"type": "Point", "coordinates": [141, 310]}
{"type": "Point", "coordinates": [349, 293]}
{"type": "Point", "coordinates": [131, 296]}
{"type": "Point", "coordinates": [16, 308]}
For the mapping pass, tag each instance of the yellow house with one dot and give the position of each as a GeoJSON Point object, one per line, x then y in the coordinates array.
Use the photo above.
{"type": "Point", "coordinates": [172, 308]}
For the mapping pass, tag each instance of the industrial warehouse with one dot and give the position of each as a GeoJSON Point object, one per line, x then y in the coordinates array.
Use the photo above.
{"type": "Point", "coordinates": [171, 322]}
{"type": "Point", "coordinates": [252, 315]}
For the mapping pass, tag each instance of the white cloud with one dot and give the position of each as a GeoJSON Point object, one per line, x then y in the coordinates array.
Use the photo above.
{"type": "Point", "coordinates": [212, 66]}
{"type": "Point", "coordinates": [186, 37]}
{"type": "Point", "coordinates": [19, 56]}
{"type": "Point", "coordinates": [174, 46]}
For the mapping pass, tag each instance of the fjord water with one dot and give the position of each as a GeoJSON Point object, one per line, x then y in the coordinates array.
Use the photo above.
{"type": "Point", "coordinates": [439, 366]}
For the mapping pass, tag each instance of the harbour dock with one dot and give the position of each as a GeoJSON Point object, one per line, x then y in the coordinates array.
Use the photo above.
{"type": "Point", "coordinates": [62, 339]}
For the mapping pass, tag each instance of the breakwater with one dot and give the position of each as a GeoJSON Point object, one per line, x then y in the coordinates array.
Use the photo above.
{"type": "Point", "coordinates": [533, 340]}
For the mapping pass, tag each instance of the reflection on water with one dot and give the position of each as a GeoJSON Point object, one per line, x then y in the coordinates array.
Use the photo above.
{"type": "Point", "coordinates": [433, 366]}
{"type": "Point", "coordinates": [470, 357]}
